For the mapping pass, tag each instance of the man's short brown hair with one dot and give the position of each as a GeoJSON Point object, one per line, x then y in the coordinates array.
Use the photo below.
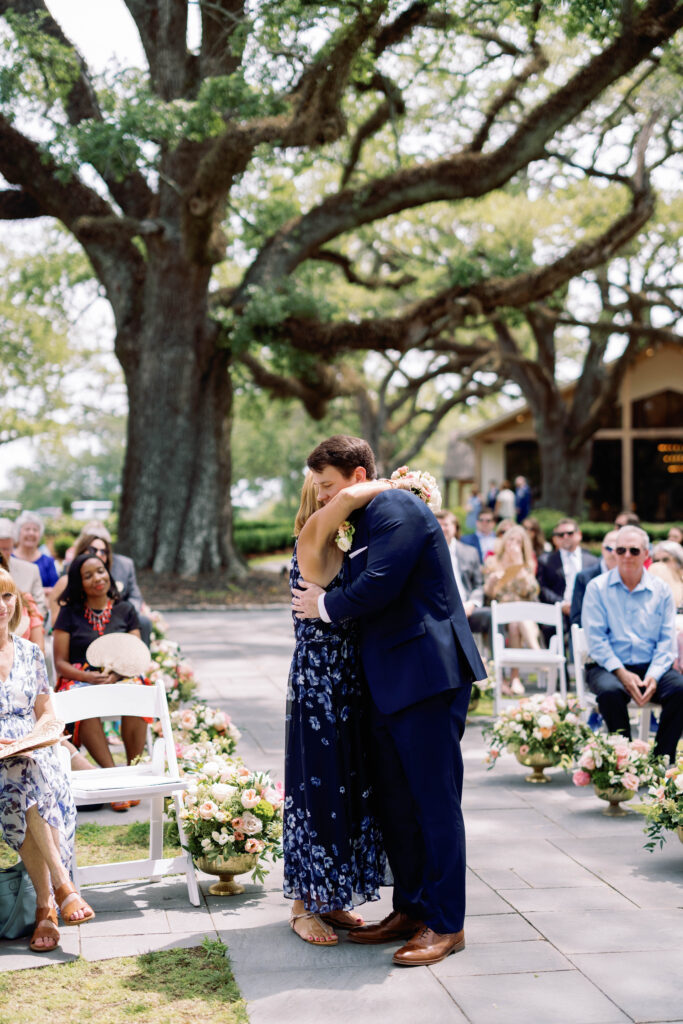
{"type": "Point", "coordinates": [343, 453]}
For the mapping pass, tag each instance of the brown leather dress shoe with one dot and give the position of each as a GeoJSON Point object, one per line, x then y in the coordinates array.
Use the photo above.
{"type": "Point", "coordinates": [429, 947]}
{"type": "Point", "coordinates": [393, 928]}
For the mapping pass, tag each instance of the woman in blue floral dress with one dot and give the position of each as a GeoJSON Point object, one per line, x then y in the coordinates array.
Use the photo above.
{"type": "Point", "coordinates": [37, 813]}
{"type": "Point", "coordinates": [333, 854]}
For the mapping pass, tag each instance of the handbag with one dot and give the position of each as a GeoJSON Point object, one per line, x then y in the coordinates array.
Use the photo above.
{"type": "Point", "coordinates": [17, 902]}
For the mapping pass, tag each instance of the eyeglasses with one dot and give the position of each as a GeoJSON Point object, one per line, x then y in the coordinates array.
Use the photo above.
{"type": "Point", "coordinates": [606, 547]}
{"type": "Point", "coordinates": [567, 533]}
{"type": "Point", "coordinates": [631, 551]}
{"type": "Point", "coordinates": [662, 558]}
{"type": "Point", "coordinates": [97, 550]}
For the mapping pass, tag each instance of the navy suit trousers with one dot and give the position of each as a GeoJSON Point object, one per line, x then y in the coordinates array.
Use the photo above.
{"type": "Point", "coordinates": [418, 774]}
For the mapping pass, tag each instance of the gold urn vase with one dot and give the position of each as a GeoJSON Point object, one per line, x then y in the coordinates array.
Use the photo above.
{"type": "Point", "coordinates": [679, 832]}
{"type": "Point", "coordinates": [544, 759]}
{"type": "Point", "coordinates": [226, 868]}
{"type": "Point", "coordinates": [615, 796]}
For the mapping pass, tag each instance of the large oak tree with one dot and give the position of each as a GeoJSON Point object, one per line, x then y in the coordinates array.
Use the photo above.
{"type": "Point", "coordinates": [168, 179]}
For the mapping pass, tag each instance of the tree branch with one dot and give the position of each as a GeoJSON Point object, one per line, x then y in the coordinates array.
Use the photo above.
{"type": "Point", "coordinates": [17, 205]}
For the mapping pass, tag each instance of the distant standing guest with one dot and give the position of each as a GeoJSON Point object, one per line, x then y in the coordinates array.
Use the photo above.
{"type": "Point", "coordinates": [30, 531]}
{"type": "Point", "coordinates": [473, 508]}
{"type": "Point", "coordinates": [505, 502]}
{"type": "Point", "coordinates": [522, 498]}
{"type": "Point", "coordinates": [491, 495]}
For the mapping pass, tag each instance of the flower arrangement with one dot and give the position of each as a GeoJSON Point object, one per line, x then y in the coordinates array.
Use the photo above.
{"type": "Point", "coordinates": [344, 537]}
{"type": "Point", "coordinates": [665, 813]}
{"type": "Point", "coordinates": [200, 724]}
{"type": "Point", "coordinates": [422, 484]}
{"type": "Point", "coordinates": [538, 725]}
{"type": "Point", "coordinates": [176, 672]}
{"type": "Point", "coordinates": [613, 761]}
{"type": "Point", "coordinates": [230, 810]}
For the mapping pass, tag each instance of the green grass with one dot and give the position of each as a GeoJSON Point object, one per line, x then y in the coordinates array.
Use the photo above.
{"type": "Point", "coordinates": [171, 986]}
{"type": "Point", "coordinates": [106, 844]}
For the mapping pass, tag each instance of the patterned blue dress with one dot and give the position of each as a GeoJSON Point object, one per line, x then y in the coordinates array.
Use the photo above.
{"type": "Point", "coordinates": [333, 854]}
{"type": "Point", "coordinates": [39, 779]}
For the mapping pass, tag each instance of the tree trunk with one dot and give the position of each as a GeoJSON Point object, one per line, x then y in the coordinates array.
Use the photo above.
{"type": "Point", "coordinates": [176, 481]}
{"type": "Point", "coordinates": [564, 466]}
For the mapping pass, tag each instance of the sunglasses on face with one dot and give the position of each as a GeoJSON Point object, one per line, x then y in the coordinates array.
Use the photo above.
{"type": "Point", "coordinates": [631, 551]}
{"type": "Point", "coordinates": [606, 547]}
{"type": "Point", "coordinates": [567, 533]}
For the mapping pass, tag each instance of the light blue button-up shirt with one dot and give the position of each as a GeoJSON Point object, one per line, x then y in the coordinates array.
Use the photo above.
{"type": "Point", "coordinates": [630, 627]}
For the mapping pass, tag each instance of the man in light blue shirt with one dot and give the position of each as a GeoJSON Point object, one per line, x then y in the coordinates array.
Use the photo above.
{"type": "Point", "coordinates": [629, 620]}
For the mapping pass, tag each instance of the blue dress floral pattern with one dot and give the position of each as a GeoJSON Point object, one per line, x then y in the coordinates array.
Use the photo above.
{"type": "Point", "coordinates": [333, 853]}
{"type": "Point", "coordinates": [39, 779]}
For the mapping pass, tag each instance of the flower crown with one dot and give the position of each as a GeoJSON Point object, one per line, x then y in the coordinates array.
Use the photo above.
{"type": "Point", "coordinates": [422, 484]}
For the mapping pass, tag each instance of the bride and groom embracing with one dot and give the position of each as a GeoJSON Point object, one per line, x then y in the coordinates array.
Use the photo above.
{"type": "Point", "coordinates": [377, 700]}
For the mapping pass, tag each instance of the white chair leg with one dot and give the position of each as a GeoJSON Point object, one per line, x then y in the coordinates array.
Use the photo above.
{"type": "Point", "coordinates": [644, 724]}
{"type": "Point", "coordinates": [156, 830]}
{"type": "Point", "coordinates": [190, 875]}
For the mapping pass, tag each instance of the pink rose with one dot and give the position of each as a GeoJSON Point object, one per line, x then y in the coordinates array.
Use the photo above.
{"type": "Point", "coordinates": [253, 846]}
{"type": "Point", "coordinates": [622, 756]}
{"type": "Point", "coordinates": [524, 749]}
{"type": "Point", "coordinates": [237, 823]}
{"type": "Point", "coordinates": [630, 781]}
{"type": "Point", "coordinates": [249, 798]}
{"type": "Point", "coordinates": [641, 746]}
{"type": "Point", "coordinates": [587, 761]}
{"type": "Point", "coordinates": [581, 778]}
{"type": "Point", "coordinates": [207, 810]}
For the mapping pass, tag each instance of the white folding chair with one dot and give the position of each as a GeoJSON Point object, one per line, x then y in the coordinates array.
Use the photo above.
{"type": "Point", "coordinates": [153, 780]}
{"type": "Point", "coordinates": [587, 699]}
{"type": "Point", "coordinates": [551, 660]}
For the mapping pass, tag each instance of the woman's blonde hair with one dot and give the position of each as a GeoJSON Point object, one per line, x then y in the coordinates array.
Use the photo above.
{"type": "Point", "coordinates": [520, 533]}
{"type": "Point", "coordinates": [7, 585]}
{"type": "Point", "coordinates": [309, 504]}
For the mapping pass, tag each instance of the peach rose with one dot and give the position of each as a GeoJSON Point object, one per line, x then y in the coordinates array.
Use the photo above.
{"type": "Point", "coordinates": [630, 781]}
{"type": "Point", "coordinates": [250, 797]}
{"type": "Point", "coordinates": [207, 810]}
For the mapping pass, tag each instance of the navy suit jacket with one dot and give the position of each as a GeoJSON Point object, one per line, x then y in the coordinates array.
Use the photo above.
{"type": "Point", "coordinates": [581, 581]}
{"type": "Point", "coordinates": [551, 576]}
{"type": "Point", "coordinates": [415, 641]}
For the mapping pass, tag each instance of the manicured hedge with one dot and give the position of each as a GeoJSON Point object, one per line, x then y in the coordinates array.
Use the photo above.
{"type": "Point", "coordinates": [261, 536]}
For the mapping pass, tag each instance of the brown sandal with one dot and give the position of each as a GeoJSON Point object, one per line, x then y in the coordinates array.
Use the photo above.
{"type": "Point", "coordinates": [46, 926]}
{"type": "Point", "coordinates": [345, 920]}
{"type": "Point", "coordinates": [66, 894]}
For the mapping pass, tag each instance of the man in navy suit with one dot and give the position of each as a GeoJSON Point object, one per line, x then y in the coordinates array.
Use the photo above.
{"type": "Point", "coordinates": [557, 572]}
{"type": "Point", "coordinates": [484, 538]}
{"type": "Point", "coordinates": [419, 660]}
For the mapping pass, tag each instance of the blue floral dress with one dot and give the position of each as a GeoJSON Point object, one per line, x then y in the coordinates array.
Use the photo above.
{"type": "Point", "coordinates": [39, 779]}
{"type": "Point", "coordinates": [333, 854]}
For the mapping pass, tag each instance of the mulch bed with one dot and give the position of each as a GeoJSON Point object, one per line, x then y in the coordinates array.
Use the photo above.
{"type": "Point", "coordinates": [213, 590]}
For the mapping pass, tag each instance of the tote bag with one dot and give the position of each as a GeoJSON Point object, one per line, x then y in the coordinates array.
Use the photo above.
{"type": "Point", "coordinates": [17, 902]}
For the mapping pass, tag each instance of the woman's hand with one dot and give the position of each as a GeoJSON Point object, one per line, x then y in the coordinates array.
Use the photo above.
{"type": "Point", "coordinates": [102, 678]}
{"type": "Point", "coordinates": [6, 742]}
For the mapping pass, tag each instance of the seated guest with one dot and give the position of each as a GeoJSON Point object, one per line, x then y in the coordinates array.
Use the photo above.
{"type": "Point", "coordinates": [29, 533]}
{"type": "Point", "coordinates": [37, 813]}
{"type": "Point", "coordinates": [468, 575]}
{"type": "Point", "coordinates": [509, 576]}
{"type": "Point", "coordinates": [483, 539]}
{"type": "Point", "coordinates": [31, 622]}
{"type": "Point", "coordinates": [627, 518]}
{"type": "Point", "coordinates": [667, 564]}
{"type": "Point", "coordinates": [608, 560]}
{"type": "Point", "coordinates": [557, 572]}
{"type": "Point", "coordinates": [96, 538]}
{"type": "Point", "coordinates": [90, 607]}
{"type": "Point", "coordinates": [24, 574]}
{"type": "Point", "coordinates": [628, 618]}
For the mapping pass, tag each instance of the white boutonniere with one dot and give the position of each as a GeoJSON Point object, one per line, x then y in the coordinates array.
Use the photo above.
{"type": "Point", "coordinates": [344, 537]}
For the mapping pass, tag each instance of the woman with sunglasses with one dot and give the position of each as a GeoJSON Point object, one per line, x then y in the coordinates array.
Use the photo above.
{"type": "Point", "coordinates": [90, 607]}
{"type": "Point", "coordinates": [667, 563]}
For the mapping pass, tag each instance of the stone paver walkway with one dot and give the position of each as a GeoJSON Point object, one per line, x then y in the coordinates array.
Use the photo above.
{"type": "Point", "coordinates": [570, 920]}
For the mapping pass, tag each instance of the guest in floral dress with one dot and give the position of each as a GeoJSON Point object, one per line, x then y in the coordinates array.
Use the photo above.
{"type": "Point", "coordinates": [37, 814]}
{"type": "Point", "coordinates": [333, 854]}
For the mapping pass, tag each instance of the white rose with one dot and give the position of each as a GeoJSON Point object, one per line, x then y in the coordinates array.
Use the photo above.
{"type": "Point", "coordinates": [343, 543]}
{"type": "Point", "coordinates": [206, 843]}
{"type": "Point", "coordinates": [212, 769]}
{"type": "Point", "coordinates": [571, 718]}
{"type": "Point", "coordinates": [545, 722]}
{"type": "Point", "coordinates": [221, 792]}
{"type": "Point", "coordinates": [678, 782]}
{"type": "Point", "coordinates": [251, 824]}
